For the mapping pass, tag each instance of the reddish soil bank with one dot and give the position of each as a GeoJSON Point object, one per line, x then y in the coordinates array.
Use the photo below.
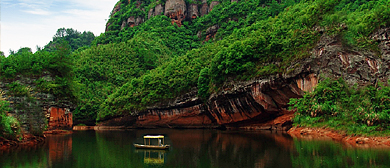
{"type": "Point", "coordinates": [349, 140]}
{"type": "Point", "coordinates": [58, 132]}
{"type": "Point", "coordinates": [27, 141]}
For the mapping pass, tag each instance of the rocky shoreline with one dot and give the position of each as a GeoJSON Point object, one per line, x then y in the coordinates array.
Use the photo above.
{"type": "Point", "coordinates": [27, 141]}
{"type": "Point", "coordinates": [338, 136]}
{"type": "Point", "coordinates": [303, 133]}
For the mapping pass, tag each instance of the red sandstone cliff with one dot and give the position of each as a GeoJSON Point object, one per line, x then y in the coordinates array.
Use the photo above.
{"type": "Point", "coordinates": [258, 104]}
{"type": "Point", "coordinates": [177, 10]}
{"type": "Point", "coordinates": [262, 103]}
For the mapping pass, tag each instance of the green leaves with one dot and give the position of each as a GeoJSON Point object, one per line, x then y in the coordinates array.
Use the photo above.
{"type": "Point", "coordinates": [129, 69]}
{"type": "Point", "coordinates": [18, 90]}
{"type": "Point", "coordinates": [73, 37]}
{"type": "Point", "coordinates": [203, 84]}
{"type": "Point", "coordinates": [333, 103]}
{"type": "Point", "coordinates": [9, 126]}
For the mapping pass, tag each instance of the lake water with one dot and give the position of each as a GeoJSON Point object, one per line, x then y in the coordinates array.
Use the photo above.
{"type": "Point", "coordinates": [191, 149]}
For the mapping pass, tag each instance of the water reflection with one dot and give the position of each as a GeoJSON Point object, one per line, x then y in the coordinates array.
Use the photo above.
{"type": "Point", "coordinates": [59, 147]}
{"type": "Point", "coordinates": [191, 148]}
{"type": "Point", "coordinates": [153, 157]}
{"type": "Point", "coordinates": [329, 154]}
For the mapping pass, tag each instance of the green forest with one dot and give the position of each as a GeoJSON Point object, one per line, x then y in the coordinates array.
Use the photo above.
{"type": "Point", "coordinates": [123, 71]}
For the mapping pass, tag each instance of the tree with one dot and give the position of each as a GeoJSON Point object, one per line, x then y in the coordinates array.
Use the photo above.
{"type": "Point", "coordinates": [74, 38]}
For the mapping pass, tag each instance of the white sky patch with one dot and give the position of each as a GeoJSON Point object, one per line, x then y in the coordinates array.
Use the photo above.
{"type": "Point", "coordinates": [31, 23]}
{"type": "Point", "coordinates": [37, 12]}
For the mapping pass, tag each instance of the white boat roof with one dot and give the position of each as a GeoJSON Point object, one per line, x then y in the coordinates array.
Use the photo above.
{"type": "Point", "coordinates": [153, 136]}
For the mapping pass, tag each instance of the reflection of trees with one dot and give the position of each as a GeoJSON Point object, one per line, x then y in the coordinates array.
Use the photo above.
{"type": "Point", "coordinates": [106, 149]}
{"type": "Point", "coordinates": [34, 157]}
{"type": "Point", "coordinates": [330, 154]}
{"type": "Point", "coordinates": [191, 148]}
{"type": "Point", "coordinates": [224, 149]}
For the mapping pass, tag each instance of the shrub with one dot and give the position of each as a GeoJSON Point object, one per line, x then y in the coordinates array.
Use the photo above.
{"type": "Point", "coordinates": [9, 126]}
{"type": "Point", "coordinates": [335, 104]}
{"type": "Point", "coordinates": [18, 90]}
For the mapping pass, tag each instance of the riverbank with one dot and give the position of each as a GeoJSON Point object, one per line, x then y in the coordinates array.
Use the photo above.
{"type": "Point", "coordinates": [305, 133]}
{"type": "Point", "coordinates": [349, 140]}
{"type": "Point", "coordinates": [26, 141]}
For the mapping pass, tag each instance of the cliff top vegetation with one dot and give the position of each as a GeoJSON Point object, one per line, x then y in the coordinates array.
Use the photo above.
{"type": "Point", "coordinates": [143, 59]}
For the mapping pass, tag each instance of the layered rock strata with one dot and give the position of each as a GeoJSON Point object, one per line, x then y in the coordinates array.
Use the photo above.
{"type": "Point", "coordinates": [263, 103]}
{"type": "Point", "coordinates": [176, 10]}
{"type": "Point", "coordinates": [250, 105]}
{"type": "Point", "coordinates": [37, 110]}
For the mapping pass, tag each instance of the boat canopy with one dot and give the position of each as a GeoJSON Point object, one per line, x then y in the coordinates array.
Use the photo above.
{"type": "Point", "coordinates": [153, 136]}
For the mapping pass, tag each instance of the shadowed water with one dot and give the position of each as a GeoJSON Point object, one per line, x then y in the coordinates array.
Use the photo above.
{"type": "Point", "coordinates": [191, 148]}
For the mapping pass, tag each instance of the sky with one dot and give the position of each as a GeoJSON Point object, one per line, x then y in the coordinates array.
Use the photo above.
{"type": "Point", "coordinates": [32, 23]}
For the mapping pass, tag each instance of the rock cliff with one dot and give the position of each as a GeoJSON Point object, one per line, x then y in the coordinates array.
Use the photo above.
{"type": "Point", "coordinates": [177, 10]}
{"type": "Point", "coordinates": [37, 111]}
{"type": "Point", "coordinates": [257, 104]}
{"type": "Point", "coordinates": [262, 103]}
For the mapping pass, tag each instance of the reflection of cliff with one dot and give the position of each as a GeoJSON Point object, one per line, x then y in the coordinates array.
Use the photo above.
{"type": "Point", "coordinates": [225, 149]}
{"type": "Point", "coordinates": [248, 149]}
{"type": "Point", "coordinates": [60, 148]}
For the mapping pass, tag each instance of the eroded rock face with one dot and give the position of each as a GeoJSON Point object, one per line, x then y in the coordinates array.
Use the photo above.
{"type": "Point", "coordinates": [263, 103]}
{"type": "Point", "coordinates": [38, 110]}
{"type": "Point", "coordinates": [193, 11]}
{"type": "Point", "coordinates": [151, 13]}
{"type": "Point", "coordinates": [158, 10]}
{"type": "Point", "coordinates": [187, 117]}
{"type": "Point", "coordinates": [176, 10]}
{"type": "Point", "coordinates": [60, 118]}
{"type": "Point", "coordinates": [204, 10]}
{"type": "Point", "coordinates": [131, 21]}
{"type": "Point", "coordinates": [253, 103]}
{"type": "Point", "coordinates": [123, 25]}
{"type": "Point", "coordinates": [308, 83]}
{"type": "Point", "coordinates": [331, 59]}
{"type": "Point", "coordinates": [116, 9]}
{"type": "Point", "coordinates": [259, 104]}
{"type": "Point", "coordinates": [139, 20]}
{"type": "Point", "coordinates": [108, 25]}
{"type": "Point", "coordinates": [213, 4]}
{"type": "Point", "coordinates": [211, 31]}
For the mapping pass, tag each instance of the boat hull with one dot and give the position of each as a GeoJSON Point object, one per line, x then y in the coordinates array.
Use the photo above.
{"type": "Point", "coordinates": [162, 147]}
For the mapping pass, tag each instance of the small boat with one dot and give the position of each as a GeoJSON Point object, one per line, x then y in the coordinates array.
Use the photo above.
{"type": "Point", "coordinates": [148, 138]}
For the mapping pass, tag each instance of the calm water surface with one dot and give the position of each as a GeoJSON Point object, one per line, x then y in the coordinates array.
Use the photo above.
{"type": "Point", "coordinates": [191, 148]}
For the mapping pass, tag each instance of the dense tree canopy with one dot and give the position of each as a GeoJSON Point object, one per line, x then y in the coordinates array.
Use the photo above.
{"type": "Point", "coordinates": [125, 70]}
{"type": "Point", "coordinates": [261, 33]}
{"type": "Point", "coordinates": [73, 37]}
